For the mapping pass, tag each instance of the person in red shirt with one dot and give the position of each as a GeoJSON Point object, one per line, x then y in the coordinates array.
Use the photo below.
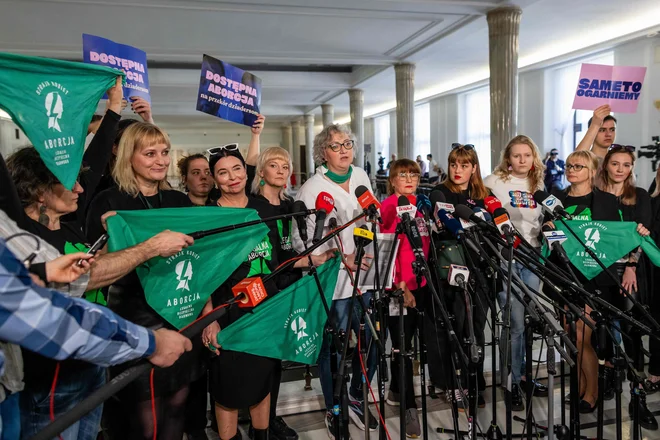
{"type": "Point", "coordinates": [403, 180]}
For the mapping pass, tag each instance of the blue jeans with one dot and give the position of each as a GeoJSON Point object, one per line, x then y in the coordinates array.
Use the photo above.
{"type": "Point", "coordinates": [339, 311]}
{"type": "Point", "coordinates": [10, 418]}
{"type": "Point", "coordinates": [69, 391]}
{"type": "Point", "coordinates": [517, 322]}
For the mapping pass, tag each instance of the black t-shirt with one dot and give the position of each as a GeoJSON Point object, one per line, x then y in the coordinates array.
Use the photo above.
{"type": "Point", "coordinates": [126, 296]}
{"type": "Point", "coordinates": [461, 198]}
{"type": "Point", "coordinates": [641, 211]}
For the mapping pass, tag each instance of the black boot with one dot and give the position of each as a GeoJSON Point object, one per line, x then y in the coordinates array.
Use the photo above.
{"type": "Point", "coordinates": [610, 383]}
{"type": "Point", "coordinates": [260, 434]}
{"type": "Point", "coordinates": [646, 418]}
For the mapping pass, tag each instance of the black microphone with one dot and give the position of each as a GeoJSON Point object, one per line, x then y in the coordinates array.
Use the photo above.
{"type": "Point", "coordinates": [299, 206]}
{"type": "Point", "coordinates": [467, 214]}
{"type": "Point", "coordinates": [324, 204]}
{"type": "Point", "coordinates": [404, 211]}
{"type": "Point", "coordinates": [551, 205]}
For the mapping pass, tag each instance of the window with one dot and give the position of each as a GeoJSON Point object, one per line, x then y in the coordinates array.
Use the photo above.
{"type": "Point", "coordinates": [382, 139]}
{"type": "Point", "coordinates": [474, 124]}
{"type": "Point", "coordinates": [422, 134]}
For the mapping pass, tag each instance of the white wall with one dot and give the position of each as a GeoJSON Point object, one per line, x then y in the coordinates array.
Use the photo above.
{"type": "Point", "coordinates": [8, 141]}
{"type": "Point", "coordinates": [531, 112]}
{"type": "Point", "coordinates": [637, 129]}
{"type": "Point", "coordinates": [195, 140]}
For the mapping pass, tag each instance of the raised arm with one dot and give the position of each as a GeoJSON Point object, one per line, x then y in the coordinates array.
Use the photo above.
{"type": "Point", "coordinates": [596, 122]}
{"type": "Point", "coordinates": [255, 145]}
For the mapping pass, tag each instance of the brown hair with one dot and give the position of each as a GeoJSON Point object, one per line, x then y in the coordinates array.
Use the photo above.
{"type": "Point", "coordinates": [401, 166]}
{"type": "Point", "coordinates": [629, 194]}
{"type": "Point", "coordinates": [183, 165]}
{"type": "Point", "coordinates": [463, 155]}
{"type": "Point", "coordinates": [535, 175]}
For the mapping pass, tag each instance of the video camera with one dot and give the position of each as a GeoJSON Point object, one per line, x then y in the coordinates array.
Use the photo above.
{"type": "Point", "coordinates": [652, 152]}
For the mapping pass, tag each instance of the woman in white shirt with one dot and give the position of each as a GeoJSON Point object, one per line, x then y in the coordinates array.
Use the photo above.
{"type": "Point", "coordinates": [334, 149]}
{"type": "Point", "coordinates": [514, 181]}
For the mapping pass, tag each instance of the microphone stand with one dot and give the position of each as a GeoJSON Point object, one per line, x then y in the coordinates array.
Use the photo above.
{"type": "Point", "coordinates": [125, 378]}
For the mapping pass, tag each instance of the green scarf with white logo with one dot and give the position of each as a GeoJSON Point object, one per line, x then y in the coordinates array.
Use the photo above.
{"type": "Point", "coordinates": [53, 101]}
{"type": "Point", "coordinates": [608, 240]}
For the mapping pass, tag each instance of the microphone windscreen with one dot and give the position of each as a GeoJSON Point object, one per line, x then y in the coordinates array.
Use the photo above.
{"type": "Point", "coordinates": [463, 212]}
{"type": "Point", "coordinates": [492, 203]}
{"type": "Point", "coordinates": [486, 214]}
{"type": "Point", "coordinates": [450, 222]}
{"type": "Point", "coordinates": [412, 199]}
{"type": "Point", "coordinates": [500, 211]}
{"type": "Point", "coordinates": [403, 201]}
{"type": "Point", "coordinates": [540, 196]}
{"type": "Point", "coordinates": [360, 190]}
{"type": "Point", "coordinates": [437, 196]}
{"type": "Point", "coordinates": [299, 206]}
{"type": "Point", "coordinates": [325, 201]}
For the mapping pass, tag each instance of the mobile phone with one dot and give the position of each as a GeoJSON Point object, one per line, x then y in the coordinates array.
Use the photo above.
{"type": "Point", "coordinates": [97, 246]}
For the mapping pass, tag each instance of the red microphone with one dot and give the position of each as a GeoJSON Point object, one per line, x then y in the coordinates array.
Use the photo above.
{"type": "Point", "coordinates": [324, 204]}
{"type": "Point", "coordinates": [252, 291]}
{"type": "Point", "coordinates": [368, 202]}
{"type": "Point", "coordinates": [501, 220]}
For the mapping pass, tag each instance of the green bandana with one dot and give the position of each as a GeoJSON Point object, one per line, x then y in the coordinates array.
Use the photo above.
{"type": "Point", "coordinates": [52, 101]}
{"type": "Point", "coordinates": [338, 178]}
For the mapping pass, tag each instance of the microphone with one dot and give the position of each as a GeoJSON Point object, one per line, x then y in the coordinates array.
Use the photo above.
{"type": "Point", "coordinates": [324, 204]}
{"type": "Point", "coordinates": [424, 205]}
{"type": "Point", "coordinates": [406, 213]}
{"type": "Point", "coordinates": [362, 236]}
{"type": "Point", "coordinates": [458, 276]}
{"type": "Point", "coordinates": [551, 205]}
{"type": "Point", "coordinates": [252, 290]}
{"type": "Point", "coordinates": [450, 222]}
{"type": "Point", "coordinates": [368, 202]}
{"type": "Point", "coordinates": [467, 214]}
{"type": "Point", "coordinates": [299, 206]}
{"type": "Point", "coordinates": [502, 220]}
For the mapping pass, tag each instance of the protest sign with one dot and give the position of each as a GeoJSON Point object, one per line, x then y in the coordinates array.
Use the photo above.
{"type": "Point", "coordinates": [133, 61]}
{"type": "Point", "coordinates": [618, 86]}
{"type": "Point", "coordinates": [228, 92]}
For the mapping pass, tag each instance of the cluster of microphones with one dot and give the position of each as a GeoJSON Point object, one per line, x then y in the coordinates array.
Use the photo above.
{"type": "Point", "coordinates": [458, 220]}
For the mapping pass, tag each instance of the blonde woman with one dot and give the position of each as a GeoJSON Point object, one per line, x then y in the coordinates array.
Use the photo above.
{"type": "Point", "coordinates": [140, 172]}
{"type": "Point", "coordinates": [514, 181]}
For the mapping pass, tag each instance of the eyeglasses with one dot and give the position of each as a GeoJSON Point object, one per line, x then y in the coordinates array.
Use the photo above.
{"type": "Point", "coordinates": [412, 176]}
{"type": "Point", "coordinates": [575, 167]}
{"type": "Point", "coordinates": [554, 153]}
{"type": "Point", "coordinates": [456, 145]}
{"type": "Point", "coordinates": [628, 148]}
{"type": "Point", "coordinates": [348, 145]}
{"type": "Point", "coordinates": [220, 149]}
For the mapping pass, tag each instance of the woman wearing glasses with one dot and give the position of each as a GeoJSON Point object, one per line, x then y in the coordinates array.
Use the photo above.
{"type": "Point", "coordinates": [617, 177]}
{"type": "Point", "coordinates": [585, 201]}
{"type": "Point", "coordinates": [334, 150]}
{"type": "Point", "coordinates": [403, 180]}
{"type": "Point", "coordinates": [463, 186]}
{"type": "Point", "coordinates": [514, 181]}
{"type": "Point", "coordinates": [230, 175]}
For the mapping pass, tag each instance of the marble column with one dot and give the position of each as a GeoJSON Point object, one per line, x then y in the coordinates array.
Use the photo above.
{"type": "Point", "coordinates": [286, 139]}
{"type": "Point", "coordinates": [405, 109]}
{"type": "Point", "coordinates": [295, 141]}
{"type": "Point", "coordinates": [328, 111]}
{"type": "Point", "coordinates": [356, 97]}
{"type": "Point", "coordinates": [309, 144]}
{"type": "Point", "coordinates": [503, 31]}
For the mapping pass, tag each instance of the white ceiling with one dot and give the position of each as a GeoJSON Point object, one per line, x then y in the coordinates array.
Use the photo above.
{"type": "Point", "coordinates": [308, 52]}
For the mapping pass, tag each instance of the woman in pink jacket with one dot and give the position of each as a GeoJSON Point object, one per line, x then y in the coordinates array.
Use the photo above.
{"type": "Point", "coordinates": [403, 181]}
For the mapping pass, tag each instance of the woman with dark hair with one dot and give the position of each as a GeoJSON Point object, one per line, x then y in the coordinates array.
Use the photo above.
{"type": "Point", "coordinates": [140, 173]}
{"type": "Point", "coordinates": [196, 178]}
{"type": "Point", "coordinates": [463, 186]}
{"type": "Point", "coordinates": [617, 176]}
{"type": "Point", "coordinates": [404, 178]}
{"type": "Point", "coordinates": [230, 175]}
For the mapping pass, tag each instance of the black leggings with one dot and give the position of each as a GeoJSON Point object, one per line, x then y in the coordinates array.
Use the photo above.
{"type": "Point", "coordinates": [170, 413]}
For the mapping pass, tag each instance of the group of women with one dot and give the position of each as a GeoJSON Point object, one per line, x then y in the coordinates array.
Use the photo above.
{"type": "Point", "coordinates": [136, 155]}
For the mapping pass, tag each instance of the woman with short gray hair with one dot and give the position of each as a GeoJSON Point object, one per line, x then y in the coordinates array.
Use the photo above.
{"type": "Point", "coordinates": [334, 149]}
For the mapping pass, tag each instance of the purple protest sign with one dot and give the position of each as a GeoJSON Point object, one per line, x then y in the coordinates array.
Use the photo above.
{"type": "Point", "coordinates": [618, 86]}
{"type": "Point", "coordinates": [133, 61]}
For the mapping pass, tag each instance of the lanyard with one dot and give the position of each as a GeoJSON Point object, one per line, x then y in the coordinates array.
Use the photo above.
{"type": "Point", "coordinates": [146, 202]}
